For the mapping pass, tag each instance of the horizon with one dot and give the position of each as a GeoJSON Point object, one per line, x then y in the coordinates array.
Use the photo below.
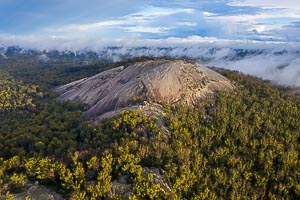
{"type": "Point", "coordinates": [189, 29]}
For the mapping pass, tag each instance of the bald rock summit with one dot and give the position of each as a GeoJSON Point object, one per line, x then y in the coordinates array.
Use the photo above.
{"type": "Point", "coordinates": [161, 81]}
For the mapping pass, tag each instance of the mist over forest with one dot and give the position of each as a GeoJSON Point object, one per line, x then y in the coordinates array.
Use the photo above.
{"type": "Point", "coordinates": [275, 61]}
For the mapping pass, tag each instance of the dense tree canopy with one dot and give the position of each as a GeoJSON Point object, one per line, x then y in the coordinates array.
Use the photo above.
{"type": "Point", "coordinates": [239, 145]}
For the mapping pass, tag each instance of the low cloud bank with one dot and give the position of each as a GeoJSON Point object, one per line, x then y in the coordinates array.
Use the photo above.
{"type": "Point", "coordinates": [275, 61]}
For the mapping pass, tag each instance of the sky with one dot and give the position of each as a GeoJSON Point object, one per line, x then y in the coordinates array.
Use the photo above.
{"type": "Point", "coordinates": [262, 20]}
{"type": "Point", "coordinates": [188, 28]}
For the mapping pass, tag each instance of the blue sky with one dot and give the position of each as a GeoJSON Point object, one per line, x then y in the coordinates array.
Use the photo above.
{"type": "Point", "coordinates": [264, 20]}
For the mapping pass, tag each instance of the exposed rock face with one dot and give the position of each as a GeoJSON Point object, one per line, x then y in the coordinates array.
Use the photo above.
{"type": "Point", "coordinates": [161, 81]}
{"type": "Point", "coordinates": [38, 193]}
{"type": "Point", "coordinates": [158, 178]}
{"type": "Point", "coordinates": [125, 189]}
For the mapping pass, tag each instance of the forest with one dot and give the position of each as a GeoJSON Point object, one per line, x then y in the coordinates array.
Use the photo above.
{"type": "Point", "coordinates": [239, 145]}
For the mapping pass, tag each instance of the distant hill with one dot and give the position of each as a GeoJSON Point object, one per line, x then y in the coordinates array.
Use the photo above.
{"type": "Point", "coordinates": [117, 53]}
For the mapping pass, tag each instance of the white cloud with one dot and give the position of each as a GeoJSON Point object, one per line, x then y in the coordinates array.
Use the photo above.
{"type": "Point", "coordinates": [276, 61]}
{"type": "Point", "coordinates": [159, 11]}
{"type": "Point", "coordinates": [268, 3]}
{"type": "Point", "coordinates": [86, 27]}
{"type": "Point", "coordinates": [136, 22]}
{"type": "Point", "coordinates": [186, 23]}
{"type": "Point", "coordinates": [155, 19]}
{"type": "Point", "coordinates": [145, 29]}
{"type": "Point", "coordinates": [208, 14]}
{"type": "Point", "coordinates": [180, 18]}
{"type": "Point", "coordinates": [267, 25]}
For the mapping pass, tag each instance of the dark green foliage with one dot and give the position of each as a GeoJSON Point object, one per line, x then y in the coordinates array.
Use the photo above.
{"type": "Point", "coordinates": [241, 145]}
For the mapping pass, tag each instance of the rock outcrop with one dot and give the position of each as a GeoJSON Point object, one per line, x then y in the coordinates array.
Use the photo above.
{"type": "Point", "coordinates": [124, 188]}
{"type": "Point", "coordinates": [159, 81]}
{"type": "Point", "coordinates": [38, 192]}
